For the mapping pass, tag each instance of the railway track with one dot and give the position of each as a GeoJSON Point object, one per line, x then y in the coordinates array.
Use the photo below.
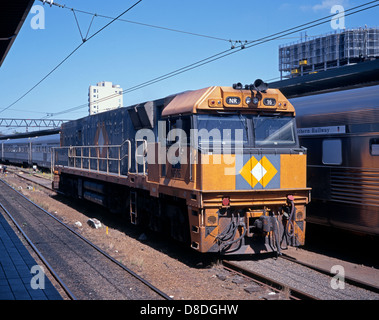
{"type": "Point", "coordinates": [87, 272]}
{"type": "Point", "coordinates": [296, 288]}
{"type": "Point", "coordinates": [301, 281]}
{"type": "Point", "coordinates": [26, 175]}
{"type": "Point", "coordinates": [347, 278]}
{"type": "Point", "coordinates": [276, 286]}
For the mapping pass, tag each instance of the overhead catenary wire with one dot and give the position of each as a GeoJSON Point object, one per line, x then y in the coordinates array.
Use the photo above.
{"type": "Point", "coordinates": [248, 45]}
{"type": "Point", "coordinates": [158, 27]}
{"type": "Point", "coordinates": [228, 52]}
{"type": "Point", "coordinates": [69, 55]}
{"type": "Point", "coordinates": [141, 23]}
{"type": "Point", "coordinates": [232, 42]}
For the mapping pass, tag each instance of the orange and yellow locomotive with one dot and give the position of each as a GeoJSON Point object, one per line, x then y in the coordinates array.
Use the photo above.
{"type": "Point", "coordinates": [220, 168]}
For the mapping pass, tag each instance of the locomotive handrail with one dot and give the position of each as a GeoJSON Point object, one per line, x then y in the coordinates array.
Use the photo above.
{"type": "Point", "coordinates": [73, 156]}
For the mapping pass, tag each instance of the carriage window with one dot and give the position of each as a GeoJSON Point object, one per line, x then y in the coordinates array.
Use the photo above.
{"type": "Point", "coordinates": [374, 147]}
{"type": "Point", "coordinates": [332, 151]}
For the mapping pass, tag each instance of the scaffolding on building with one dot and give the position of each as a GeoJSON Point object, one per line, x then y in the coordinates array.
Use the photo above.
{"type": "Point", "coordinates": [329, 51]}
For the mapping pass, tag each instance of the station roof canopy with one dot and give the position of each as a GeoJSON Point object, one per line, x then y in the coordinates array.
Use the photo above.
{"type": "Point", "coordinates": [12, 16]}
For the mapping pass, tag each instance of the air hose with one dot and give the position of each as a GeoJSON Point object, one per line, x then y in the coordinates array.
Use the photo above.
{"type": "Point", "coordinates": [228, 232]}
{"type": "Point", "coordinates": [226, 238]}
{"type": "Point", "coordinates": [241, 224]}
{"type": "Point", "coordinates": [290, 228]}
{"type": "Point", "coordinates": [277, 235]}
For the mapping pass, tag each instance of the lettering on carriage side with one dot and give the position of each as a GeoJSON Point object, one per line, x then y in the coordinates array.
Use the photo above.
{"type": "Point", "coordinates": [321, 130]}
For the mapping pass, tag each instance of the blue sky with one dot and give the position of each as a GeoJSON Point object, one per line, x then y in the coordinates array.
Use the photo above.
{"type": "Point", "coordinates": [128, 54]}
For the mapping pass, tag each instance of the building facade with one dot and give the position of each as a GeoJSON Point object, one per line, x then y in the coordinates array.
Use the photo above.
{"type": "Point", "coordinates": [329, 51]}
{"type": "Point", "coordinates": [104, 96]}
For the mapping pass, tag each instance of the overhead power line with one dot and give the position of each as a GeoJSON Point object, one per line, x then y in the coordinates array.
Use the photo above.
{"type": "Point", "coordinates": [225, 53]}
{"type": "Point", "coordinates": [233, 43]}
{"type": "Point", "coordinates": [65, 59]}
{"type": "Point", "coordinates": [140, 23]}
{"type": "Point", "coordinates": [251, 44]}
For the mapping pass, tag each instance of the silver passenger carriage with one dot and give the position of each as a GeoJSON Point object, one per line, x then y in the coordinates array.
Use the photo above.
{"type": "Point", "coordinates": [29, 151]}
{"type": "Point", "coordinates": [341, 132]}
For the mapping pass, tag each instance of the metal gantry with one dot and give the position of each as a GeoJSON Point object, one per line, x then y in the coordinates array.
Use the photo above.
{"type": "Point", "coordinates": [31, 123]}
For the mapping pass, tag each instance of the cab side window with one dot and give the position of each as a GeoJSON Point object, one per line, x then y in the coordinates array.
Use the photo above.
{"type": "Point", "coordinates": [183, 123]}
{"type": "Point", "coordinates": [332, 151]}
{"type": "Point", "coordinates": [374, 147]}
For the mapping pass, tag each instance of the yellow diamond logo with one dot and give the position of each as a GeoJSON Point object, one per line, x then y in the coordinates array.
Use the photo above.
{"type": "Point", "coordinates": [255, 171]}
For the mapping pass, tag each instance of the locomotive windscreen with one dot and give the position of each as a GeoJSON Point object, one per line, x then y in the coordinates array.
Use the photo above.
{"type": "Point", "coordinates": [246, 130]}
{"type": "Point", "coordinates": [274, 132]}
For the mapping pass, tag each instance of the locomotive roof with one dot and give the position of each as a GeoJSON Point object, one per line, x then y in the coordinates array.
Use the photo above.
{"type": "Point", "coordinates": [218, 98]}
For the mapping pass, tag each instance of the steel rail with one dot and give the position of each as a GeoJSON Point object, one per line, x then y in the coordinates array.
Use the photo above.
{"type": "Point", "coordinates": [276, 285]}
{"type": "Point", "coordinates": [347, 279]}
{"type": "Point", "coordinates": [32, 181]}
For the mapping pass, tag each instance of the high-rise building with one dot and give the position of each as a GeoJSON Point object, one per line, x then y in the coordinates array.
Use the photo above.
{"type": "Point", "coordinates": [333, 50]}
{"type": "Point", "coordinates": [104, 96]}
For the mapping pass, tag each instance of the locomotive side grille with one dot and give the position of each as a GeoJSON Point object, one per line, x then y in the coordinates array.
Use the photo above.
{"type": "Point", "coordinates": [355, 186]}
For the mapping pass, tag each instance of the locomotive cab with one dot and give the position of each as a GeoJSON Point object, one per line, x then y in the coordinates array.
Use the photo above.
{"type": "Point", "coordinates": [247, 166]}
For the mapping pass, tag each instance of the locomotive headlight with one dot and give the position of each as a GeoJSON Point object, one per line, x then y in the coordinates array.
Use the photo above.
{"type": "Point", "coordinates": [251, 100]}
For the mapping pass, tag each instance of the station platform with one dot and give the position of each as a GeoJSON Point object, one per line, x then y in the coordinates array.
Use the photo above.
{"type": "Point", "coordinates": [15, 270]}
